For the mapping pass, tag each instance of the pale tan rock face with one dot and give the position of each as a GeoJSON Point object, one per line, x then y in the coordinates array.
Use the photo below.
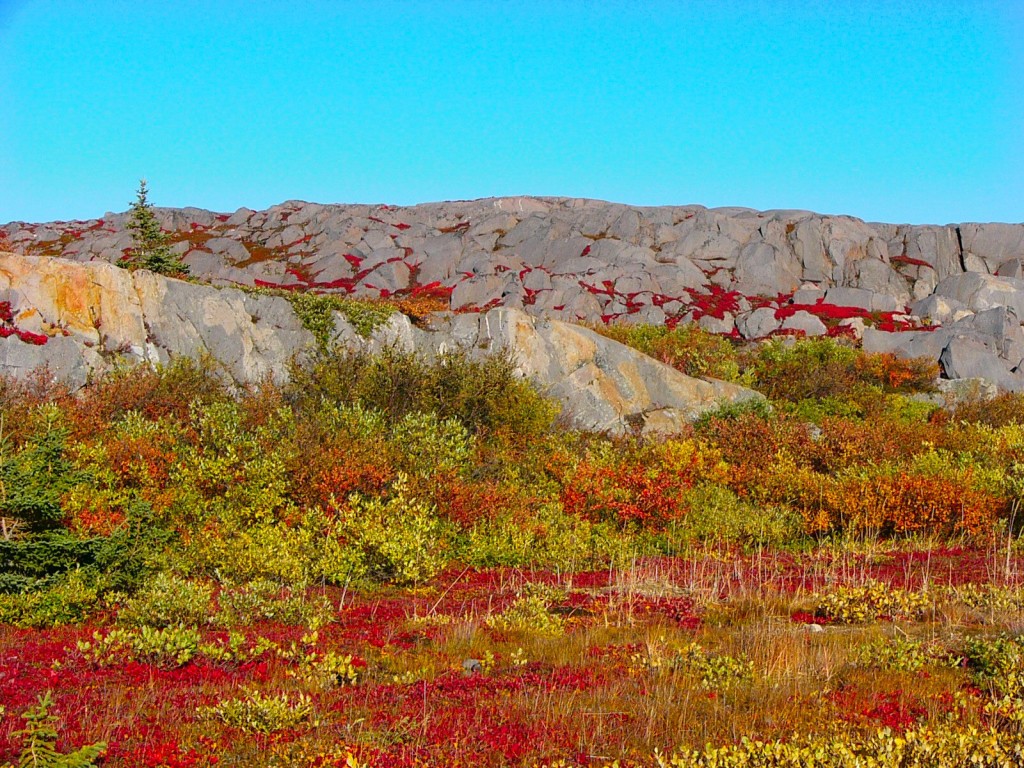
{"type": "Point", "coordinates": [111, 315]}
{"type": "Point", "coordinates": [93, 301]}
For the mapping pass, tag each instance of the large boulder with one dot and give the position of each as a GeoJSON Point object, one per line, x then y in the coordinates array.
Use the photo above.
{"type": "Point", "coordinates": [602, 385]}
{"type": "Point", "coordinates": [966, 357]}
{"type": "Point", "coordinates": [979, 291]}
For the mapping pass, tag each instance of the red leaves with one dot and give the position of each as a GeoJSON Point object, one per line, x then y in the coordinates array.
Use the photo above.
{"type": "Point", "coordinates": [713, 304]}
{"type": "Point", "coordinates": [626, 492]}
{"type": "Point", "coordinates": [910, 262]}
{"type": "Point", "coordinates": [9, 328]}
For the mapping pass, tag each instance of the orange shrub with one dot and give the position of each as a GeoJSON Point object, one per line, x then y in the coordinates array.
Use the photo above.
{"type": "Point", "coordinates": [466, 502]}
{"type": "Point", "coordinates": [897, 374]}
{"type": "Point", "coordinates": [155, 394]}
{"type": "Point", "coordinates": [911, 503]}
{"type": "Point", "coordinates": [327, 475]}
{"type": "Point", "coordinates": [846, 442]}
{"type": "Point", "coordinates": [751, 438]}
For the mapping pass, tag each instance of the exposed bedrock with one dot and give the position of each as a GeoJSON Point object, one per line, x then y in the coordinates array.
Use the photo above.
{"type": "Point", "coordinates": [81, 320]}
{"type": "Point", "coordinates": [732, 270]}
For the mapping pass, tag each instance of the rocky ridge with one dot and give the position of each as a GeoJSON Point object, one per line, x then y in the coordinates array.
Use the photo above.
{"type": "Point", "coordinates": [84, 319]}
{"type": "Point", "coordinates": [954, 293]}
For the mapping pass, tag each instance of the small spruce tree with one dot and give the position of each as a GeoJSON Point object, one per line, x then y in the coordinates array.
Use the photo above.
{"type": "Point", "coordinates": [151, 250]}
{"type": "Point", "coordinates": [39, 742]}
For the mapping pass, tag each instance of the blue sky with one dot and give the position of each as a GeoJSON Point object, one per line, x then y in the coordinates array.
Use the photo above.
{"type": "Point", "coordinates": [889, 111]}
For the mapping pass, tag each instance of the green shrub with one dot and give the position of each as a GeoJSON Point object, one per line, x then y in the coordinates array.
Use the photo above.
{"type": "Point", "coordinates": [398, 539]}
{"type": "Point", "coordinates": [168, 600]}
{"type": "Point", "coordinates": [233, 554]}
{"type": "Point", "coordinates": [718, 672]}
{"type": "Point", "coordinates": [822, 367]}
{"type": "Point", "coordinates": [870, 601]}
{"type": "Point", "coordinates": [716, 514]}
{"type": "Point", "coordinates": [266, 600]}
{"type": "Point", "coordinates": [530, 613]}
{"type": "Point", "coordinates": [327, 670]}
{"type": "Point", "coordinates": [898, 654]}
{"type": "Point", "coordinates": [427, 444]}
{"type": "Point", "coordinates": [802, 370]}
{"type": "Point", "coordinates": [547, 537]}
{"type": "Point", "coordinates": [688, 348]}
{"type": "Point", "coordinates": [316, 313]}
{"type": "Point", "coordinates": [753, 408]}
{"type": "Point", "coordinates": [486, 396]}
{"type": "Point", "coordinates": [167, 647]}
{"type": "Point", "coordinates": [68, 600]}
{"type": "Point", "coordinates": [993, 659]}
{"type": "Point", "coordinates": [257, 713]}
{"type": "Point", "coordinates": [232, 474]}
{"type": "Point", "coordinates": [999, 411]}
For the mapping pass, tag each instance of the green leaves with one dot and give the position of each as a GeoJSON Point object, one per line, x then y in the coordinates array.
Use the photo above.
{"type": "Point", "coordinates": [39, 741]}
{"type": "Point", "coordinates": [33, 480]}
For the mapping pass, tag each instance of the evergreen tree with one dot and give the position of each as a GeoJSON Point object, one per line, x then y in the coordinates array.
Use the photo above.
{"type": "Point", "coordinates": [151, 250]}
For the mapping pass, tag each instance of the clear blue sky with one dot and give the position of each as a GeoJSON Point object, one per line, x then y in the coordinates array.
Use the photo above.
{"type": "Point", "coordinates": [890, 111]}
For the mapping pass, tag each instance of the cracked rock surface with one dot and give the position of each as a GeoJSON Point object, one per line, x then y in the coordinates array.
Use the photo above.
{"type": "Point", "coordinates": [95, 316]}
{"type": "Point", "coordinates": [735, 271]}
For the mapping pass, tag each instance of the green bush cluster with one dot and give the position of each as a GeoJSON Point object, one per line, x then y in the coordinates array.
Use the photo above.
{"type": "Point", "coordinates": [530, 613]}
{"type": "Point", "coordinates": [687, 348]}
{"type": "Point", "coordinates": [872, 600]}
{"type": "Point", "coordinates": [259, 713]}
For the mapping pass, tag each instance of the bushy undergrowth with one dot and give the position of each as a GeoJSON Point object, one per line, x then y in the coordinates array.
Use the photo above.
{"type": "Point", "coordinates": [687, 348]}
{"type": "Point", "coordinates": [389, 468]}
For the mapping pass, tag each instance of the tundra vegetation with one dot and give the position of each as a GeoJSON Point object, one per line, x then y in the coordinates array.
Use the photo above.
{"type": "Point", "coordinates": [395, 562]}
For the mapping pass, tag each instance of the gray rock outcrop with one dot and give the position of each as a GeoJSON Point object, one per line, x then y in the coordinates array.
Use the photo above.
{"type": "Point", "coordinates": [93, 317]}
{"type": "Point", "coordinates": [577, 260]}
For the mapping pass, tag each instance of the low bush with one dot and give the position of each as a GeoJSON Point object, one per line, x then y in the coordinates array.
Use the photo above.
{"type": "Point", "coordinates": [687, 348]}
{"type": "Point", "coordinates": [265, 600]}
{"type": "Point", "coordinates": [395, 538]}
{"type": "Point", "coordinates": [68, 600]}
{"type": "Point", "coordinates": [870, 601]}
{"type": "Point", "coordinates": [486, 396]}
{"type": "Point", "coordinates": [168, 600]}
{"type": "Point", "coordinates": [259, 713]}
{"type": "Point", "coordinates": [717, 515]}
{"type": "Point", "coordinates": [1000, 411]}
{"type": "Point", "coordinates": [823, 368]}
{"type": "Point", "coordinates": [528, 614]}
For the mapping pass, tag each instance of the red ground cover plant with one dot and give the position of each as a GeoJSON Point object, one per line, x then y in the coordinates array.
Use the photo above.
{"type": "Point", "coordinates": [515, 712]}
